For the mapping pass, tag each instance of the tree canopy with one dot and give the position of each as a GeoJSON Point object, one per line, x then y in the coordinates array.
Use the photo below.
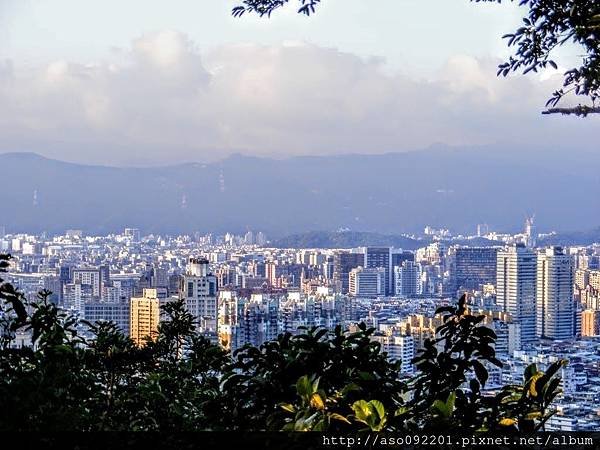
{"type": "Point", "coordinates": [337, 380]}
{"type": "Point", "coordinates": [547, 26]}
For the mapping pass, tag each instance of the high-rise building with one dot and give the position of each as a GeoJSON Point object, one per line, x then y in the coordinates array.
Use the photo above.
{"type": "Point", "coordinates": [126, 284]}
{"type": "Point", "coordinates": [96, 277]}
{"type": "Point", "coordinates": [555, 312]}
{"type": "Point", "coordinates": [145, 315]}
{"type": "Point", "coordinates": [74, 234]}
{"type": "Point", "coordinates": [475, 266]}
{"type": "Point", "coordinates": [482, 229]}
{"type": "Point", "coordinates": [398, 257]}
{"type": "Point", "coordinates": [590, 323]}
{"type": "Point", "coordinates": [198, 288]}
{"type": "Point", "coordinates": [76, 295]}
{"type": "Point", "coordinates": [64, 275]}
{"type": "Point", "coordinates": [530, 232]}
{"type": "Point", "coordinates": [343, 263]}
{"type": "Point", "coordinates": [261, 317]}
{"type": "Point", "coordinates": [118, 312]}
{"type": "Point", "coordinates": [261, 239]}
{"type": "Point", "coordinates": [594, 280]}
{"type": "Point", "coordinates": [328, 267]}
{"type": "Point", "coordinates": [407, 278]}
{"type": "Point", "coordinates": [380, 257]}
{"type": "Point", "coordinates": [133, 234]}
{"type": "Point", "coordinates": [159, 277]}
{"type": "Point", "coordinates": [249, 238]}
{"type": "Point", "coordinates": [434, 253]}
{"type": "Point", "coordinates": [515, 287]}
{"type": "Point", "coordinates": [367, 282]}
{"type": "Point", "coordinates": [283, 275]}
{"type": "Point", "coordinates": [303, 257]}
{"type": "Point", "coordinates": [16, 244]}
{"type": "Point", "coordinates": [582, 278]}
{"type": "Point", "coordinates": [398, 348]}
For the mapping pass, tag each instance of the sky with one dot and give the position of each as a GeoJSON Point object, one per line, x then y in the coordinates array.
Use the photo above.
{"type": "Point", "coordinates": [146, 82]}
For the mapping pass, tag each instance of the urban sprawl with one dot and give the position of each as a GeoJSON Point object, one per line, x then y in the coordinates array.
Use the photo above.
{"type": "Point", "coordinates": [542, 302]}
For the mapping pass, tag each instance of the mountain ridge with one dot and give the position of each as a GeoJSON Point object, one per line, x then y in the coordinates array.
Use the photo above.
{"type": "Point", "coordinates": [390, 193]}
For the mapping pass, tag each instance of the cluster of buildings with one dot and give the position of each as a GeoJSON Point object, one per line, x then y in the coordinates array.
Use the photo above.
{"type": "Point", "coordinates": [542, 302]}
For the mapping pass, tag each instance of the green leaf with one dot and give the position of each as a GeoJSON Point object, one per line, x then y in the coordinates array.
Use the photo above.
{"type": "Point", "coordinates": [401, 411]}
{"type": "Point", "coordinates": [339, 417]}
{"type": "Point", "coordinates": [378, 406]}
{"type": "Point", "coordinates": [304, 387]}
{"type": "Point", "coordinates": [352, 387]}
{"type": "Point", "coordinates": [288, 407]}
{"type": "Point", "coordinates": [361, 410]}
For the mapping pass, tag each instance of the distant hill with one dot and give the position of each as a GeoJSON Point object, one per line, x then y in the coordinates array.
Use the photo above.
{"type": "Point", "coordinates": [574, 238]}
{"type": "Point", "coordinates": [352, 239]}
{"type": "Point", "coordinates": [347, 239]}
{"type": "Point", "coordinates": [388, 194]}
{"type": "Point", "coordinates": [477, 242]}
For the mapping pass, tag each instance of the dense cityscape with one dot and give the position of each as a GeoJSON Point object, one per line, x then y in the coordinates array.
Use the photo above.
{"type": "Point", "coordinates": [542, 302]}
{"type": "Point", "coordinates": [300, 224]}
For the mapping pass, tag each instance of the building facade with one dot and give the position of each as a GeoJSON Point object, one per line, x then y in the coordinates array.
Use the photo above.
{"type": "Point", "coordinates": [555, 312]}
{"type": "Point", "coordinates": [407, 279]}
{"type": "Point", "coordinates": [475, 266]}
{"type": "Point", "coordinates": [145, 315]}
{"type": "Point", "coordinates": [198, 288]}
{"type": "Point", "coordinates": [367, 282]}
{"type": "Point", "coordinates": [515, 287]}
{"type": "Point", "coordinates": [343, 263]}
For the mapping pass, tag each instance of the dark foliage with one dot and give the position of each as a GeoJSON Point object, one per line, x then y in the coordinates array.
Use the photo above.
{"type": "Point", "coordinates": [261, 379]}
{"type": "Point", "coordinates": [465, 348]}
{"type": "Point", "coordinates": [548, 26]}
{"type": "Point", "coordinates": [266, 7]}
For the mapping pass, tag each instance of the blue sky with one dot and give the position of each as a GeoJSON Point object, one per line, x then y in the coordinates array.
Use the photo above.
{"type": "Point", "coordinates": [418, 34]}
{"type": "Point", "coordinates": [150, 81]}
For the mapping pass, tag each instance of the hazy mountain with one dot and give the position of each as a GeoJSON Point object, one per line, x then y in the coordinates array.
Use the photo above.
{"type": "Point", "coordinates": [391, 193]}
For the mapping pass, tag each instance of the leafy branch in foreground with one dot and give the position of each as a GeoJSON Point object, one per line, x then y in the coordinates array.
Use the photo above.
{"type": "Point", "coordinates": [445, 394]}
{"type": "Point", "coordinates": [266, 7]}
{"type": "Point", "coordinates": [547, 26]}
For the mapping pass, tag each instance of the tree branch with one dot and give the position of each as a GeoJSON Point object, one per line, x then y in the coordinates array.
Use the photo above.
{"type": "Point", "coordinates": [580, 110]}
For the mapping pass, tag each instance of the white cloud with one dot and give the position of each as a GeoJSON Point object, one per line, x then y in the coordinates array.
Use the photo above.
{"type": "Point", "coordinates": [161, 102]}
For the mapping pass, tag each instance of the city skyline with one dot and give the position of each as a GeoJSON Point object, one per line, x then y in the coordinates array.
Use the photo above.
{"type": "Point", "coordinates": [492, 238]}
